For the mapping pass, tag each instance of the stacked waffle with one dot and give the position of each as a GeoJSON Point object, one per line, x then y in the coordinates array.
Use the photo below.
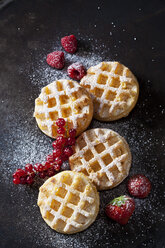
{"type": "Point", "coordinates": [69, 201]}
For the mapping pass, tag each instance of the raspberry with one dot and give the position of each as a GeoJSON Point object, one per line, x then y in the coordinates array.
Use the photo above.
{"type": "Point", "coordinates": [60, 122]}
{"type": "Point", "coordinates": [76, 71]}
{"type": "Point", "coordinates": [69, 43]}
{"type": "Point", "coordinates": [139, 186]}
{"type": "Point", "coordinates": [56, 59]}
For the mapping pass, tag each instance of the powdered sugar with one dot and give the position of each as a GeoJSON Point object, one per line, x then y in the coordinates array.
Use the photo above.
{"type": "Point", "coordinates": [43, 74]}
{"type": "Point", "coordinates": [25, 143]}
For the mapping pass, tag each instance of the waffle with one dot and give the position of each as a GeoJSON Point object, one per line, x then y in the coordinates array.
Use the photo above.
{"type": "Point", "coordinates": [103, 155]}
{"type": "Point", "coordinates": [63, 99]}
{"type": "Point", "coordinates": [68, 202]}
{"type": "Point", "coordinates": [114, 90]}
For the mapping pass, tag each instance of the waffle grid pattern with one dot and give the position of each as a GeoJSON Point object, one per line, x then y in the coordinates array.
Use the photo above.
{"type": "Point", "coordinates": [113, 87]}
{"type": "Point", "coordinates": [68, 203]}
{"type": "Point", "coordinates": [62, 99]}
{"type": "Point", "coordinates": [102, 155]}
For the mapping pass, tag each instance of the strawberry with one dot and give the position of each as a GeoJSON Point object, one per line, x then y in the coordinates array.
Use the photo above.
{"type": "Point", "coordinates": [120, 209]}
{"type": "Point", "coordinates": [139, 186]}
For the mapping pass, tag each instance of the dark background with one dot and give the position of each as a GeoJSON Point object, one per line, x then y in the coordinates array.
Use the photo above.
{"type": "Point", "coordinates": [131, 32]}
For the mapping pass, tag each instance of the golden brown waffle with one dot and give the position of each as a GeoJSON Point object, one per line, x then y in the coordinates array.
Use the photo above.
{"type": "Point", "coordinates": [114, 90]}
{"type": "Point", "coordinates": [63, 99]}
{"type": "Point", "coordinates": [68, 202]}
{"type": "Point", "coordinates": [103, 155]}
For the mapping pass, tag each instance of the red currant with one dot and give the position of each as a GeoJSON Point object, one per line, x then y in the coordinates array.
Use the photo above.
{"type": "Point", "coordinates": [15, 175]}
{"type": "Point", "coordinates": [29, 180]}
{"type": "Point", "coordinates": [61, 130]}
{"type": "Point", "coordinates": [16, 180]}
{"type": "Point", "coordinates": [56, 145]}
{"type": "Point", "coordinates": [38, 167]}
{"type": "Point", "coordinates": [29, 167]}
{"type": "Point", "coordinates": [50, 172]}
{"type": "Point", "coordinates": [57, 167]}
{"type": "Point", "coordinates": [42, 174]}
{"type": "Point", "coordinates": [61, 140]}
{"type": "Point", "coordinates": [68, 151]}
{"type": "Point", "coordinates": [50, 158]}
{"type": "Point", "coordinates": [20, 173]}
{"type": "Point", "coordinates": [23, 180]}
{"type": "Point", "coordinates": [56, 152]}
{"type": "Point", "coordinates": [60, 122]}
{"type": "Point", "coordinates": [47, 165]}
{"type": "Point", "coordinates": [54, 162]}
{"type": "Point", "coordinates": [64, 157]}
{"type": "Point", "coordinates": [58, 161]}
{"type": "Point", "coordinates": [32, 174]}
{"type": "Point", "coordinates": [71, 141]}
{"type": "Point", "coordinates": [72, 132]}
{"type": "Point", "coordinates": [66, 141]}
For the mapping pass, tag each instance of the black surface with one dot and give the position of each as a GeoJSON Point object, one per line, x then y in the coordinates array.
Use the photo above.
{"type": "Point", "coordinates": [28, 31]}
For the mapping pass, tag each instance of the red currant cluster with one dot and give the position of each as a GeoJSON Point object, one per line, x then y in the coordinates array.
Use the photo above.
{"type": "Point", "coordinates": [24, 176]}
{"type": "Point", "coordinates": [62, 151]}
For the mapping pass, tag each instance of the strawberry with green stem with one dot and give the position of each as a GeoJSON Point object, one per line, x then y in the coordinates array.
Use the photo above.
{"type": "Point", "coordinates": [120, 209]}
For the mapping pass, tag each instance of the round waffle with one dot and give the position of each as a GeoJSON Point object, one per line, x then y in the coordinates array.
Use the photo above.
{"type": "Point", "coordinates": [68, 202]}
{"type": "Point", "coordinates": [63, 99]}
{"type": "Point", "coordinates": [103, 155]}
{"type": "Point", "coordinates": [114, 90]}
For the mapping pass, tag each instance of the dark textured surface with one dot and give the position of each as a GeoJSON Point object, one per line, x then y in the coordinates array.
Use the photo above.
{"type": "Point", "coordinates": [129, 31]}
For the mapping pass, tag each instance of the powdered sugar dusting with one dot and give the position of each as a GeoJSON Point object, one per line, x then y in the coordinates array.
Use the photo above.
{"type": "Point", "coordinates": [27, 144]}
{"type": "Point", "coordinates": [43, 74]}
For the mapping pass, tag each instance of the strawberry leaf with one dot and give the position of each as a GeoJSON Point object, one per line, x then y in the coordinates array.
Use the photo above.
{"type": "Point", "coordinates": [119, 201]}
